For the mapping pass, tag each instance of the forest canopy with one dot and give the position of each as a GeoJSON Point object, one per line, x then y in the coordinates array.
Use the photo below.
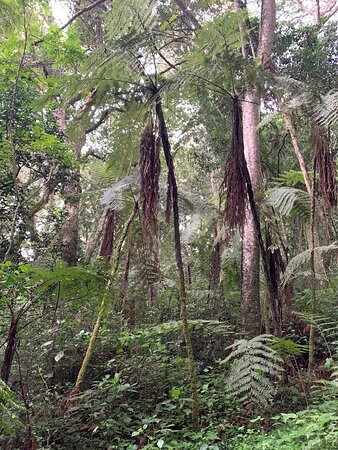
{"type": "Point", "coordinates": [168, 217]}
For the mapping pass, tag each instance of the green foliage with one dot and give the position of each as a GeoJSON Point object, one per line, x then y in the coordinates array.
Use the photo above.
{"type": "Point", "coordinates": [167, 327]}
{"type": "Point", "coordinates": [326, 112]}
{"type": "Point", "coordinates": [252, 375]}
{"type": "Point", "coordinates": [75, 283]}
{"type": "Point", "coordinates": [287, 348]}
{"type": "Point", "coordinates": [290, 178]}
{"type": "Point", "coordinates": [287, 200]}
{"type": "Point", "coordinates": [9, 411]}
{"type": "Point", "coordinates": [313, 428]}
{"type": "Point", "coordinates": [297, 262]}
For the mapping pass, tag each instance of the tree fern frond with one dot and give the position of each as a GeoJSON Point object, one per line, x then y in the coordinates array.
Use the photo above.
{"type": "Point", "coordinates": [113, 197]}
{"type": "Point", "coordinates": [327, 111]}
{"type": "Point", "coordinates": [289, 200]}
{"type": "Point", "coordinates": [198, 324]}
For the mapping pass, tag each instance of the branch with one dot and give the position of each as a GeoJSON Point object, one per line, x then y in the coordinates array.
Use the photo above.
{"type": "Point", "coordinates": [188, 18]}
{"type": "Point", "coordinates": [78, 14]}
{"type": "Point", "coordinates": [103, 118]}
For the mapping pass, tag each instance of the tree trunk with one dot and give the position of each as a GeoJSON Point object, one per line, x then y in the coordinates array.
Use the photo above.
{"type": "Point", "coordinates": [313, 271]}
{"type": "Point", "coordinates": [108, 237]}
{"type": "Point", "coordinates": [70, 232]}
{"type": "Point", "coordinates": [179, 261]}
{"type": "Point", "coordinates": [10, 349]}
{"type": "Point", "coordinates": [250, 252]}
{"type": "Point", "coordinates": [70, 229]}
{"type": "Point", "coordinates": [94, 238]}
{"type": "Point", "coordinates": [127, 305]}
{"type": "Point", "coordinates": [215, 276]}
{"type": "Point", "coordinates": [291, 129]}
{"type": "Point", "coordinates": [104, 303]}
{"type": "Point", "coordinates": [251, 119]}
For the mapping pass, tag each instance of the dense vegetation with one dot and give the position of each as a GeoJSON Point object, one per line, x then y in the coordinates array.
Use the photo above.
{"type": "Point", "coordinates": [168, 225]}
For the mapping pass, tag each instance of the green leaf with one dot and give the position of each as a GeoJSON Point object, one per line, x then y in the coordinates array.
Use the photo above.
{"type": "Point", "coordinates": [175, 393]}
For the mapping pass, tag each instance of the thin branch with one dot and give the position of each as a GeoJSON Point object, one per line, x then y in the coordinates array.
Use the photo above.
{"type": "Point", "coordinates": [78, 14]}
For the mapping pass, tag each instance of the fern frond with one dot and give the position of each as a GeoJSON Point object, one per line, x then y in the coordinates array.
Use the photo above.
{"type": "Point", "coordinates": [327, 111]}
{"type": "Point", "coordinates": [256, 367]}
{"type": "Point", "coordinates": [114, 196]}
{"type": "Point", "coordinates": [289, 200]}
{"type": "Point", "coordinates": [198, 324]}
{"type": "Point", "coordinates": [292, 269]}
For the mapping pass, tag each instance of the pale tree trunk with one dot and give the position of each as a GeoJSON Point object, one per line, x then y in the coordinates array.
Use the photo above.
{"type": "Point", "coordinates": [70, 232]}
{"type": "Point", "coordinates": [291, 129]}
{"type": "Point", "coordinates": [250, 253]}
{"type": "Point", "coordinates": [251, 118]}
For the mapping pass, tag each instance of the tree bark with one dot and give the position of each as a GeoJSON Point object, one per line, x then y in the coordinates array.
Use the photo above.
{"type": "Point", "coordinates": [70, 229]}
{"type": "Point", "coordinates": [70, 232]}
{"type": "Point", "coordinates": [94, 238]}
{"type": "Point", "coordinates": [108, 237]}
{"type": "Point", "coordinates": [251, 119]}
{"type": "Point", "coordinates": [127, 305]}
{"type": "Point", "coordinates": [250, 253]}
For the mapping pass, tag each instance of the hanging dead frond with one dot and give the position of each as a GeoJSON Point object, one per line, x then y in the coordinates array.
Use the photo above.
{"type": "Point", "coordinates": [325, 165]}
{"type": "Point", "coordinates": [149, 178]}
{"type": "Point", "coordinates": [234, 183]}
{"type": "Point", "coordinates": [149, 194]}
{"type": "Point", "coordinates": [108, 237]}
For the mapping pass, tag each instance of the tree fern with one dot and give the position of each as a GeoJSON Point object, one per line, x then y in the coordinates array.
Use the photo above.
{"type": "Point", "coordinates": [256, 366]}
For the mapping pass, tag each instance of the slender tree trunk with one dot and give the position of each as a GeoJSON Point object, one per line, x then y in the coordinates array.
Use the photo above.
{"type": "Point", "coordinates": [215, 276]}
{"type": "Point", "coordinates": [313, 272]}
{"type": "Point", "coordinates": [127, 305]}
{"type": "Point", "coordinates": [103, 307]}
{"type": "Point", "coordinates": [296, 147]}
{"type": "Point", "coordinates": [10, 349]}
{"type": "Point", "coordinates": [70, 232]}
{"type": "Point", "coordinates": [94, 238]}
{"type": "Point", "coordinates": [179, 261]}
